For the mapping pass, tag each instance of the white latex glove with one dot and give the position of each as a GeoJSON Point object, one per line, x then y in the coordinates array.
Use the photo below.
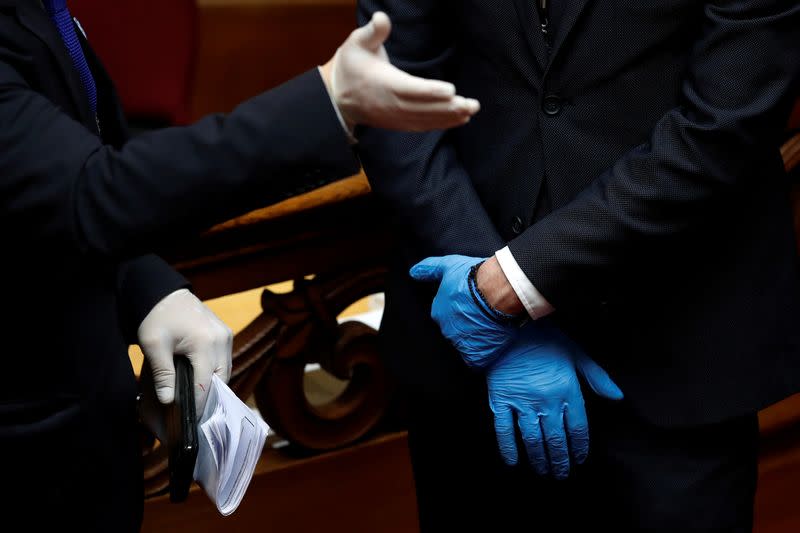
{"type": "Point", "coordinates": [368, 90]}
{"type": "Point", "coordinates": [182, 324]}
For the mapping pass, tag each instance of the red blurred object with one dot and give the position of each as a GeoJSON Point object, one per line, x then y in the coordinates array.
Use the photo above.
{"type": "Point", "coordinates": [148, 47]}
{"type": "Point", "coordinates": [794, 120]}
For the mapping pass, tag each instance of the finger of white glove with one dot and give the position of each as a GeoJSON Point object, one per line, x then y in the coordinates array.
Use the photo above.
{"type": "Point", "coordinates": [210, 355]}
{"type": "Point", "coordinates": [221, 344]}
{"type": "Point", "coordinates": [457, 106]}
{"type": "Point", "coordinates": [373, 34]}
{"type": "Point", "coordinates": [159, 355]}
{"type": "Point", "coordinates": [406, 86]}
{"type": "Point", "coordinates": [203, 368]}
{"type": "Point", "coordinates": [223, 349]}
{"type": "Point", "coordinates": [226, 376]}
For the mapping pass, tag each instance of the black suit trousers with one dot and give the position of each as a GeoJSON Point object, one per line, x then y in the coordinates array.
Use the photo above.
{"type": "Point", "coordinates": [638, 477]}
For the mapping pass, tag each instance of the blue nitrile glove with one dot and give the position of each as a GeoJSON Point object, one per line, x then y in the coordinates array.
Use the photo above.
{"type": "Point", "coordinates": [465, 320]}
{"type": "Point", "coordinates": [536, 380]}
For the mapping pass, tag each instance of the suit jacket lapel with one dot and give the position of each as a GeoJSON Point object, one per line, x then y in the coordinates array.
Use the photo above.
{"type": "Point", "coordinates": [570, 12]}
{"type": "Point", "coordinates": [109, 108]}
{"type": "Point", "coordinates": [33, 17]}
{"type": "Point", "coordinates": [531, 28]}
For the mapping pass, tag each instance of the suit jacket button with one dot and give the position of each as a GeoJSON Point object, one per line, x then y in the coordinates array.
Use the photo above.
{"type": "Point", "coordinates": [517, 226]}
{"type": "Point", "coordinates": [552, 105]}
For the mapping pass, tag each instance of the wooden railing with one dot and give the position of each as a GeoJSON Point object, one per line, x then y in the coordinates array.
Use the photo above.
{"type": "Point", "coordinates": [776, 508]}
{"type": "Point", "coordinates": [332, 243]}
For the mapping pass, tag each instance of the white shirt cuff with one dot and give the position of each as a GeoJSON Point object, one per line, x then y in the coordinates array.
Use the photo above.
{"type": "Point", "coordinates": [352, 140]}
{"type": "Point", "coordinates": [534, 302]}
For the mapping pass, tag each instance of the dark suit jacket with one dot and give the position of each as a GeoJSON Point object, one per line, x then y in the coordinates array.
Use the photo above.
{"type": "Point", "coordinates": [632, 167]}
{"type": "Point", "coordinates": [77, 210]}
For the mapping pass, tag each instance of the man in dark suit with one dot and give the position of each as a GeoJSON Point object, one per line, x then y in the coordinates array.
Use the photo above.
{"type": "Point", "coordinates": [624, 181]}
{"type": "Point", "coordinates": [81, 205]}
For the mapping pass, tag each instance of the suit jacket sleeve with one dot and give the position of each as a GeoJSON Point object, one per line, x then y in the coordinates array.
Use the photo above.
{"type": "Point", "coordinates": [737, 92]}
{"type": "Point", "coordinates": [142, 282]}
{"type": "Point", "coordinates": [64, 194]}
{"type": "Point", "coordinates": [419, 175]}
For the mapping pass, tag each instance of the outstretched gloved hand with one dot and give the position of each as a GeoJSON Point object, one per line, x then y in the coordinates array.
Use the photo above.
{"type": "Point", "coordinates": [368, 90]}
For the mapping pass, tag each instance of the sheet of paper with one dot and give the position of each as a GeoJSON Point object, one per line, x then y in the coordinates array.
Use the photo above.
{"type": "Point", "coordinates": [231, 438]}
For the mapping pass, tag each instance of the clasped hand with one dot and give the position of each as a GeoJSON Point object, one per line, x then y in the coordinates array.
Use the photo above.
{"type": "Point", "coordinates": [458, 310]}
{"type": "Point", "coordinates": [532, 370]}
{"type": "Point", "coordinates": [536, 382]}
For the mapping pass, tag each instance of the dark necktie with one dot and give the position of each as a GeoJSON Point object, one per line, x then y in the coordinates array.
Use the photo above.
{"type": "Point", "coordinates": [57, 9]}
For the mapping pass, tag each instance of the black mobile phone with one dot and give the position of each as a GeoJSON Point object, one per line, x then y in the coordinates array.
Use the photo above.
{"type": "Point", "coordinates": [182, 432]}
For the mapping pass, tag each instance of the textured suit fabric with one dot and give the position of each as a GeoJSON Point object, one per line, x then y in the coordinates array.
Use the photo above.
{"type": "Point", "coordinates": [78, 213]}
{"type": "Point", "coordinates": [634, 171]}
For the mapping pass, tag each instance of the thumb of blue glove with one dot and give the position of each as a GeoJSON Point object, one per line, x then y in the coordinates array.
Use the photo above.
{"type": "Point", "coordinates": [430, 269]}
{"type": "Point", "coordinates": [457, 309]}
{"type": "Point", "coordinates": [597, 378]}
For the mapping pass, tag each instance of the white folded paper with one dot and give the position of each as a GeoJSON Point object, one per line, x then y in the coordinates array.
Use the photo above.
{"type": "Point", "coordinates": [231, 438]}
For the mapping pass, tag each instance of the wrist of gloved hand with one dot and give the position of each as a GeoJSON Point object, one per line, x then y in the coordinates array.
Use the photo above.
{"type": "Point", "coordinates": [463, 320]}
{"type": "Point", "coordinates": [483, 303]}
{"type": "Point", "coordinates": [327, 72]}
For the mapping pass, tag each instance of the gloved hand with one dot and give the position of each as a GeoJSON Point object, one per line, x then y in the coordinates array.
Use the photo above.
{"type": "Point", "coordinates": [182, 324]}
{"type": "Point", "coordinates": [368, 90]}
{"type": "Point", "coordinates": [462, 316]}
{"type": "Point", "coordinates": [536, 380]}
